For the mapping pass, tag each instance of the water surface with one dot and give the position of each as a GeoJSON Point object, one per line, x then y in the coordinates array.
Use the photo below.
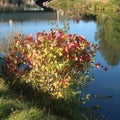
{"type": "Point", "coordinates": [102, 30]}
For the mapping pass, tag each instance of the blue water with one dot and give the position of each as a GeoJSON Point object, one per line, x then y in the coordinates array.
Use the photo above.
{"type": "Point", "coordinates": [106, 83]}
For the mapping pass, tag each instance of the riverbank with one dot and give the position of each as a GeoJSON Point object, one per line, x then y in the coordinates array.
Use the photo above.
{"type": "Point", "coordinates": [15, 106]}
{"type": "Point", "coordinates": [87, 6]}
{"type": "Point", "coordinates": [19, 102]}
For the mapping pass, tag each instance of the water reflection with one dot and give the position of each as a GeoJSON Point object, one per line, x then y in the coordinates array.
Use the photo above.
{"type": "Point", "coordinates": [76, 16]}
{"type": "Point", "coordinates": [10, 22]}
{"type": "Point", "coordinates": [108, 35]}
{"type": "Point", "coordinates": [104, 28]}
{"type": "Point", "coordinates": [108, 29]}
{"type": "Point", "coordinates": [28, 16]}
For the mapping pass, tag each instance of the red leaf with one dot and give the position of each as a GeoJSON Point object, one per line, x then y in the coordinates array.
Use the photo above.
{"type": "Point", "coordinates": [98, 65]}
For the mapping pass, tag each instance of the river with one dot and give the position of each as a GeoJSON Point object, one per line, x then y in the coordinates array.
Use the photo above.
{"type": "Point", "coordinates": [103, 30]}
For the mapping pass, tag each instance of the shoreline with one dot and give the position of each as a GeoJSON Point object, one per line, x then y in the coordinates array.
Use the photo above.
{"type": "Point", "coordinates": [87, 6]}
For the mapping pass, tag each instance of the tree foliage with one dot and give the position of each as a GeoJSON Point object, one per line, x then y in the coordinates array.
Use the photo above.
{"type": "Point", "coordinates": [54, 62]}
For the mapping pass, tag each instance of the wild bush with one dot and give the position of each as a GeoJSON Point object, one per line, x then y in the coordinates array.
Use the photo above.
{"type": "Point", "coordinates": [54, 62]}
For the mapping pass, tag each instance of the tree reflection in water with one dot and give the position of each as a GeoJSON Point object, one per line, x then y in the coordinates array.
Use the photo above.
{"type": "Point", "coordinates": [108, 29]}
{"type": "Point", "coordinates": [109, 37]}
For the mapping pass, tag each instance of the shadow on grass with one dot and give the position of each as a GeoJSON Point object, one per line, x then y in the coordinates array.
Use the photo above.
{"type": "Point", "coordinates": [20, 101]}
{"type": "Point", "coordinates": [15, 105]}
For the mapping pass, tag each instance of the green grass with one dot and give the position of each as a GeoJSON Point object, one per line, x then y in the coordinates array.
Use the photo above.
{"type": "Point", "coordinates": [28, 105]}
{"type": "Point", "coordinates": [86, 6]}
{"type": "Point", "coordinates": [14, 106]}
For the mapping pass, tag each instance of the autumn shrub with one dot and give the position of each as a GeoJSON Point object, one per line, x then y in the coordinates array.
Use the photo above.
{"type": "Point", "coordinates": [54, 62]}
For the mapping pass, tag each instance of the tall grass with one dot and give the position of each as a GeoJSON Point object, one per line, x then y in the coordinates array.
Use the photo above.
{"type": "Point", "coordinates": [14, 106]}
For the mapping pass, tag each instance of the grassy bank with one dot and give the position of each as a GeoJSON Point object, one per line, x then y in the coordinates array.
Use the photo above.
{"type": "Point", "coordinates": [18, 104]}
{"type": "Point", "coordinates": [15, 106]}
{"type": "Point", "coordinates": [89, 6]}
